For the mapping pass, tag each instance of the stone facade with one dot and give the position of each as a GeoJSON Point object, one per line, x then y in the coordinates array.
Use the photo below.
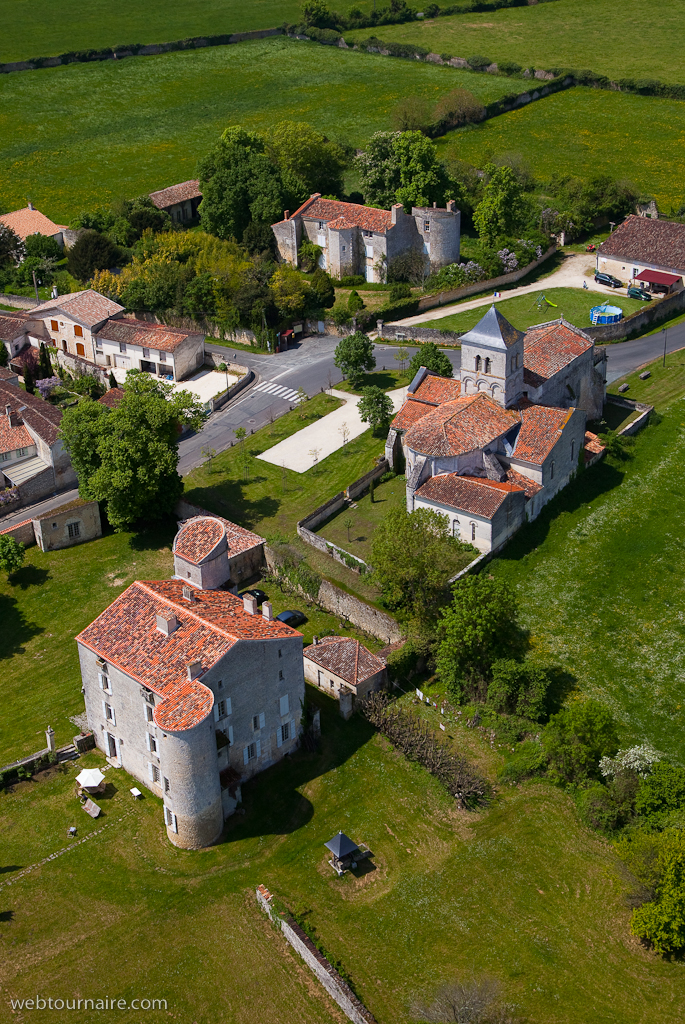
{"type": "Point", "coordinates": [70, 524]}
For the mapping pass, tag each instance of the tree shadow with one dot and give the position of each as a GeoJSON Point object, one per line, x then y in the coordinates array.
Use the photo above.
{"type": "Point", "coordinates": [29, 576]}
{"type": "Point", "coordinates": [272, 801]}
{"type": "Point", "coordinates": [9, 867]}
{"type": "Point", "coordinates": [561, 684]}
{"type": "Point", "coordinates": [151, 536]}
{"type": "Point", "coordinates": [15, 630]}
{"type": "Point", "coordinates": [6, 915]}
{"type": "Point", "coordinates": [228, 499]}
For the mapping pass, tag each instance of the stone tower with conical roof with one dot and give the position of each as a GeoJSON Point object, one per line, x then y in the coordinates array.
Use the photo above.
{"type": "Point", "coordinates": [492, 359]}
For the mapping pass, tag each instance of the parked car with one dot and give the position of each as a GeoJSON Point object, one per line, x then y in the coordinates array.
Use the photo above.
{"type": "Point", "coordinates": [256, 593]}
{"type": "Point", "coordinates": [639, 293]}
{"type": "Point", "coordinates": [607, 279]}
{"type": "Point", "coordinates": [291, 618]}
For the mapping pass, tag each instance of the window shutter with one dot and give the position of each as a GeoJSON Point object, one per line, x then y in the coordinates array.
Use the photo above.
{"type": "Point", "coordinates": [285, 705]}
{"type": "Point", "coordinates": [114, 717]}
{"type": "Point", "coordinates": [216, 712]}
{"type": "Point", "coordinates": [279, 735]}
{"type": "Point", "coordinates": [230, 734]}
{"type": "Point", "coordinates": [262, 720]}
{"type": "Point", "coordinates": [117, 744]}
{"type": "Point", "coordinates": [245, 755]}
{"type": "Point", "coordinates": [102, 681]}
{"type": "Point", "coordinates": [228, 706]}
{"type": "Point", "coordinates": [147, 740]}
{"type": "Point", "coordinates": [259, 748]}
{"type": "Point", "coordinates": [104, 710]}
{"type": "Point", "coordinates": [149, 771]}
{"type": "Point", "coordinates": [174, 823]}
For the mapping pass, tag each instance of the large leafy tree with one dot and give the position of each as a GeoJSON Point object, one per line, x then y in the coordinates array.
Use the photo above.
{"type": "Point", "coordinates": [375, 408]}
{"type": "Point", "coordinates": [433, 358]}
{"type": "Point", "coordinates": [292, 292]}
{"type": "Point", "coordinates": [126, 457]}
{"type": "Point", "coordinates": [308, 157]}
{"type": "Point", "coordinates": [504, 208]}
{"type": "Point", "coordinates": [576, 738]}
{"type": "Point", "coordinates": [91, 252]}
{"type": "Point", "coordinates": [403, 167]}
{"type": "Point", "coordinates": [354, 356]}
{"type": "Point", "coordinates": [11, 554]}
{"type": "Point", "coordinates": [12, 249]}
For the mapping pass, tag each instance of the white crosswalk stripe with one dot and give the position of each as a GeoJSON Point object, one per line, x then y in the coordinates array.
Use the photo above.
{"type": "Point", "coordinates": [278, 391]}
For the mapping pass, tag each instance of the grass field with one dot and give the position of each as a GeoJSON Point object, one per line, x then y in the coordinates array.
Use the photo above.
{"type": "Point", "coordinates": [566, 34]}
{"type": "Point", "coordinates": [585, 131]}
{"type": "Point", "coordinates": [365, 518]}
{"type": "Point", "coordinates": [522, 311]}
{"type": "Point", "coordinates": [599, 575]}
{"type": "Point", "coordinates": [76, 137]}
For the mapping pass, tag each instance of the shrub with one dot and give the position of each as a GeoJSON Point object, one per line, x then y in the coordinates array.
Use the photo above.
{"type": "Point", "coordinates": [352, 280]}
{"type": "Point", "coordinates": [308, 255]}
{"type": "Point", "coordinates": [459, 107]}
{"type": "Point", "coordinates": [518, 688]}
{"type": "Point", "coordinates": [528, 760]}
{"type": "Point", "coordinates": [662, 791]}
{"type": "Point", "coordinates": [89, 253]}
{"type": "Point", "coordinates": [576, 739]}
{"type": "Point", "coordinates": [354, 303]}
{"type": "Point", "coordinates": [478, 63]}
{"type": "Point", "coordinates": [400, 290]}
{"type": "Point", "coordinates": [509, 67]}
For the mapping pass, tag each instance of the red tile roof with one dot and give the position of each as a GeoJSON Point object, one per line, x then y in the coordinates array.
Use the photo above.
{"type": "Point", "coordinates": [12, 325]}
{"type": "Point", "coordinates": [30, 222]}
{"type": "Point", "coordinates": [126, 635]}
{"type": "Point", "coordinates": [593, 444]}
{"type": "Point", "coordinates": [410, 413]}
{"type": "Point", "coordinates": [239, 539]}
{"type": "Point", "coordinates": [475, 495]}
{"type": "Point", "coordinates": [7, 375]}
{"type": "Point", "coordinates": [530, 487]}
{"type": "Point", "coordinates": [548, 348]}
{"type": "Point", "coordinates": [344, 657]}
{"type": "Point", "coordinates": [541, 428]}
{"type": "Point", "coordinates": [198, 539]}
{"type": "Point", "coordinates": [166, 197]}
{"type": "Point", "coordinates": [112, 397]}
{"type": "Point", "coordinates": [643, 240]}
{"type": "Point", "coordinates": [88, 306]}
{"type": "Point", "coordinates": [460, 426]}
{"type": "Point", "coordinates": [34, 411]}
{"type": "Point", "coordinates": [344, 215]}
{"type": "Point", "coordinates": [437, 390]}
{"type": "Point", "coordinates": [12, 438]}
{"type": "Point", "coordinates": [145, 335]}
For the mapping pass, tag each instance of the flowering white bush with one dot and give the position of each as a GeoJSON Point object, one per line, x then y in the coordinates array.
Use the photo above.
{"type": "Point", "coordinates": [635, 759]}
{"type": "Point", "coordinates": [509, 260]}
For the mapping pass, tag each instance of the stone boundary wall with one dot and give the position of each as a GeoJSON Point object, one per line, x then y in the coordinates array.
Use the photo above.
{"type": "Point", "coordinates": [78, 364]}
{"type": "Point", "coordinates": [396, 332]}
{"type": "Point", "coordinates": [638, 321]}
{"type": "Point", "coordinates": [637, 424]}
{"type": "Point", "coordinates": [19, 301]}
{"type": "Point", "coordinates": [235, 389]}
{"type": "Point", "coordinates": [338, 989]}
{"type": "Point", "coordinates": [22, 532]}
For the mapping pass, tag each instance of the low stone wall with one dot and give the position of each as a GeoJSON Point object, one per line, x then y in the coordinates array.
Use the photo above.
{"type": "Point", "coordinates": [22, 532]}
{"type": "Point", "coordinates": [221, 400]}
{"type": "Point", "coordinates": [338, 989]}
{"type": "Point", "coordinates": [19, 301]}
{"type": "Point", "coordinates": [641, 407]}
{"type": "Point", "coordinates": [360, 614]}
{"type": "Point", "coordinates": [398, 332]}
{"type": "Point", "coordinates": [354, 490]}
{"type": "Point", "coordinates": [80, 365]}
{"type": "Point", "coordinates": [661, 310]}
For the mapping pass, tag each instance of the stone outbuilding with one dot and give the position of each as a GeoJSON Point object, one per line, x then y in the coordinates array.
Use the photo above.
{"type": "Point", "coordinates": [357, 239]}
{"type": "Point", "coordinates": [181, 202]}
{"type": "Point", "coordinates": [70, 524]}
{"type": "Point", "coordinates": [343, 668]}
{"type": "Point", "coordinates": [647, 252]}
{"type": "Point", "coordinates": [212, 552]}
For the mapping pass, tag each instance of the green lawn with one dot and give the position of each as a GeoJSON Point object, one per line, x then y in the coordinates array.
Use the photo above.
{"type": "Point", "coordinates": [584, 132]}
{"type": "Point", "coordinates": [388, 379]}
{"type": "Point", "coordinates": [617, 38]}
{"type": "Point", "coordinates": [523, 311]}
{"type": "Point", "coordinates": [666, 384]}
{"type": "Point", "coordinates": [364, 518]}
{"type": "Point", "coordinates": [141, 124]}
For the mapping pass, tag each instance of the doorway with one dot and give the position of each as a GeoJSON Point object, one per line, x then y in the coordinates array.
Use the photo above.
{"type": "Point", "coordinates": [111, 745]}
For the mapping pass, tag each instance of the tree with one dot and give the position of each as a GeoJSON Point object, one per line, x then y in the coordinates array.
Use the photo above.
{"type": "Point", "coordinates": [322, 288]}
{"type": "Point", "coordinates": [292, 292]}
{"type": "Point", "coordinates": [403, 167]}
{"type": "Point", "coordinates": [518, 688]}
{"type": "Point", "coordinates": [375, 408]}
{"type": "Point", "coordinates": [471, 1002]}
{"type": "Point", "coordinates": [12, 249]}
{"type": "Point", "coordinates": [662, 922]}
{"type": "Point", "coordinates": [127, 457]}
{"type": "Point", "coordinates": [412, 113]}
{"type": "Point", "coordinates": [459, 107]}
{"type": "Point", "coordinates": [91, 252]}
{"type": "Point", "coordinates": [11, 554]}
{"type": "Point", "coordinates": [576, 738]}
{"type": "Point", "coordinates": [112, 381]}
{"type": "Point", "coordinates": [401, 356]}
{"type": "Point", "coordinates": [309, 157]}
{"type": "Point", "coordinates": [4, 356]}
{"type": "Point", "coordinates": [355, 302]}
{"type": "Point", "coordinates": [662, 791]}
{"type": "Point", "coordinates": [503, 209]}
{"type": "Point", "coordinates": [317, 13]}
{"type": "Point", "coordinates": [433, 358]}
{"type": "Point", "coordinates": [42, 245]}
{"type": "Point", "coordinates": [354, 355]}
{"type": "Point", "coordinates": [475, 631]}
{"type": "Point", "coordinates": [29, 378]}
{"type": "Point", "coordinates": [44, 362]}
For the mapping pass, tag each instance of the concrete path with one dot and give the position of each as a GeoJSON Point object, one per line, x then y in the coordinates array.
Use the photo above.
{"type": "Point", "coordinates": [326, 435]}
{"type": "Point", "coordinates": [571, 274]}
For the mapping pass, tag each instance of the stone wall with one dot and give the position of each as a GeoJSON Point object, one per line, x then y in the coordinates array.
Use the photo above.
{"type": "Point", "coordinates": [360, 614]}
{"type": "Point", "coordinates": [338, 989]}
{"type": "Point", "coordinates": [22, 532]}
{"type": "Point", "coordinates": [19, 301]}
{"type": "Point", "coordinates": [235, 389]}
{"type": "Point", "coordinates": [80, 365]}
{"type": "Point", "coordinates": [651, 316]}
{"type": "Point", "coordinates": [641, 407]}
{"type": "Point", "coordinates": [402, 332]}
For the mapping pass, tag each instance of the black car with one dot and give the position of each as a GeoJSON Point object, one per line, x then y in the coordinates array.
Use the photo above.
{"type": "Point", "coordinates": [291, 618]}
{"type": "Point", "coordinates": [608, 279]}
{"type": "Point", "coordinates": [259, 595]}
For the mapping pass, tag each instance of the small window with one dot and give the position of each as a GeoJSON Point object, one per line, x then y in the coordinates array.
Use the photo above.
{"type": "Point", "coordinates": [280, 673]}
{"type": "Point", "coordinates": [321, 225]}
{"type": "Point", "coordinates": [220, 684]}
{"type": "Point", "coordinates": [479, 363]}
{"type": "Point", "coordinates": [573, 450]}
{"type": "Point", "coordinates": [167, 787]}
{"type": "Point", "coordinates": [109, 714]}
{"type": "Point", "coordinates": [551, 471]}
{"type": "Point", "coordinates": [74, 529]}
{"type": "Point", "coordinates": [152, 743]}
{"type": "Point", "coordinates": [331, 683]}
{"type": "Point", "coordinates": [222, 709]}
{"type": "Point", "coordinates": [368, 234]}
{"type": "Point", "coordinates": [155, 774]}
{"type": "Point", "coordinates": [122, 346]}
{"type": "Point", "coordinates": [455, 527]}
{"type": "Point", "coordinates": [5, 456]}
{"type": "Point", "coordinates": [54, 526]}
{"type": "Point", "coordinates": [258, 721]}
{"type": "Point", "coordinates": [285, 732]}
{"type": "Point", "coordinates": [343, 248]}
{"type": "Point", "coordinates": [21, 452]}
{"type": "Point", "coordinates": [251, 751]}
{"type": "Point", "coordinates": [488, 365]}
{"type": "Point", "coordinates": [162, 356]}
{"type": "Point", "coordinates": [473, 531]}
{"type": "Point", "coordinates": [146, 353]}
{"type": "Point", "coordinates": [78, 331]}
{"type": "Point", "coordinates": [149, 713]}
{"type": "Point", "coordinates": [280, 653]}
{"type": "Point", "coordinates": [54, 325]}
{"type": "Point", "coordinates": [426, 225]}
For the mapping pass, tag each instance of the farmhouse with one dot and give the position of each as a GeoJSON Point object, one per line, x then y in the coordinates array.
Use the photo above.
{"type": "Point", "coordinates": [343, 668]}
{"type": "Point", "coordinates": [646, 251]}
{"type": "Point", "coordinates": [489, 450]}
{"type": "Point", "coordinates": [31, 221]}
{"type": "Point", "coordinates": [31, 454]}
{"type": "Point", "coordinates": [362, 240]}
{"type": "Point", "coordinates": [181, 202]}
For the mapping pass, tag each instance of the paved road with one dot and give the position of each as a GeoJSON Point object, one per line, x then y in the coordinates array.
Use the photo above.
{"type": "Point", "coordinates": [310, 366]}
{"type": "Point", "coordinates": [29, 511]}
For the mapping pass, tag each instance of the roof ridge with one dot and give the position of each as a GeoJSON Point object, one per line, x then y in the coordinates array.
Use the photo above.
{"type": "Point", "coordinates": [186, 611]}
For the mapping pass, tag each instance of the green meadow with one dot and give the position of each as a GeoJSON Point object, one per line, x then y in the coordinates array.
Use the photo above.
{"type": "Point", "coordinates": [76, 137]}
{"type": "Point", "coordinates": [586, 131]}
{"type": "Point", "coordinates": [617, 38]}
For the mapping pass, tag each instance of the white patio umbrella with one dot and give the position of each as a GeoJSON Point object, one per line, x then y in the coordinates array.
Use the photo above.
{"type": "Point", "coordinates": [90, 778]}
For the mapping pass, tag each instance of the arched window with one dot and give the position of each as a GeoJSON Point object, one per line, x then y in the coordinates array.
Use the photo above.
{"type": "Point", "coordinates": [488, 364]}
{"type": "Point", "coordinates": [455, 528]}
{"type": "Point", "coordinates": [573, 450]}
{"type": "Point", "coordinates": [479, 363]}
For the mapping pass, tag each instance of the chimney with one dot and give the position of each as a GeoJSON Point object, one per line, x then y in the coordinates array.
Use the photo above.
{"type": "Point", "coordinates": [286, 214]}
{"type": "Point", "coordinates": [451, 206]}
{"type": "Point", "coordinates": [31, 206]}
{"type": "Point", "coordinates": [394, 211]}
{"type": "Point", "coordinates": [435, 206]}
{"type": "Point", "coordinates": [250, 604]}
{"type": "Point", "coordinates": [267, 611]}
{"type": "Point", "coordinates": [194, 669]}
{"type": "Point", "coordinates": [188, 593]}
{"type": "Point", "coordinates": [167, 623]}
{"type": "Point", "coordinates": [315, 640]}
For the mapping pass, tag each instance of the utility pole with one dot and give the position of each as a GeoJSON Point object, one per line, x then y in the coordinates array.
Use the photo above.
{"type": "Point", "coordinates": [35, 285]}
{"type": "Point", "coordinates": [664, 331]}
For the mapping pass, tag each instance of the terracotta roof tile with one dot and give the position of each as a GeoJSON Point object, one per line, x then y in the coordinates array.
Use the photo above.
{"type": "Point", "coordinates": [12, 325]}
{"type": "Point", "coordinates": [437, 390]}
{"type": "Point", "coordinates": [239, 539]}
{"type": "Point", "coordinates": [144, 334]}
{"type": "Point", "coordinates": [460, 426]}
{"type": "Point", "coordinates": [29, 222]}
{"type": "Point", "coordinates": [344, 657]}
{"type": "Point", "coordinates": [166, 197]}
{"type": "Point", "coordinates": [410, 413]}
{"type": "Point", "coordinates": [12, 438]}
{"type": "Point", "coordinates": [198, 539]}
{"type": "Point", "coordinates": [88, 306]}
{"type": "Point", "coordinates": [530, 487]}
{"type": "Point", "coordinates": [477, 496]}
{"type": "Point", "coordinates": [548, 348]}
{"type": "Point", "coordinates": [593, 444]}
{"type": "Point", "coordinates": [541, 428]}
{"type": "Point", "coordinates": [126, 635]}
{"type": "Point", "coordinates": [34, 411]}
{"type": "Point", "coordinates": [345, 215]}
{"type": "Point", "coordinates": [6, 374]}
{"type": "Point", "coordinates": [643, 240]}
{"type": "Point", "coordinates": [112, 397]}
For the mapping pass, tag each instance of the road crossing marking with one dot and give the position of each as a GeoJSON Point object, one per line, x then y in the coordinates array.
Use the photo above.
{"type": "Point", "coordinates": [268, 387]}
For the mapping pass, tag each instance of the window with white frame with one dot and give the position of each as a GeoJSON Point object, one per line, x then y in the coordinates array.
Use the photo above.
{"type": "Point", "coordinates": [167, 786]}
{"type": "Point", "coordinates": [74, 529]}
{"type": "Point", "coordinates": [221, 707]}
{"type": "Point", "coordinates": [258, 721]}
{"type": "Point", "coordinates": [149, 714]}
{"type": "Point", "coordinates": [285, 732]}
{"type": "Point", "coordinates": [105, 682]}
{"type": "Point", "coordinates": [21, 452]}
{"type": "Point", "coordinates": [151, 742]}
{"type": "Point", "coordinates": [5, 456]}
{"type": "Point", "coordinates": [170, 819]}
{"type": "Point", "coordinates": [426, 225]}
{"type": "Point", "coordinates": [251, 751]}
{"type": "Point", "coordinates": [109, 714]}
{"type": "Point", "coordinates": [155, 774]}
